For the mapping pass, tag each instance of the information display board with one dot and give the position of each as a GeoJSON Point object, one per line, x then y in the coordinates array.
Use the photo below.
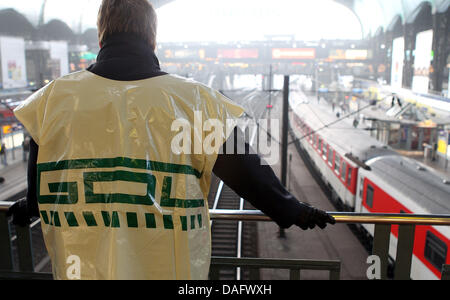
{"type": "Point", "coordinates": [422, 62]}
{"type": "Point", "coordinates": [398, 58]}
{"type": "Point", "coordinates": [13, 64]}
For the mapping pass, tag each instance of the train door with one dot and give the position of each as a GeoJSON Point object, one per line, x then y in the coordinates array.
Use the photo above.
{"type": "Point", "coordinates": [359, 191]}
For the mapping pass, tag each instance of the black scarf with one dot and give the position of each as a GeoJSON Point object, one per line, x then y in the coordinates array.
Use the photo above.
{"type": "Point", "coordinates": [126, 57]}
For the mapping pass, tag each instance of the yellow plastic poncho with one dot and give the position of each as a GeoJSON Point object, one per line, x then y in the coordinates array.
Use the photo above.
{"type": "Point", "coordinates": [116, 200]}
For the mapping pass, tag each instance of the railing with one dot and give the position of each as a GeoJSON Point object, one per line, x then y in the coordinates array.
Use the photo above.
{"type": "Point", "coordinates": [381, 241]}
{"type": "Point", "coordinates": [26, 268]}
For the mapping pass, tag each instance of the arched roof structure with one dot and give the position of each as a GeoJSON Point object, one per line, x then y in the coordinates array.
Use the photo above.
{"type": "Point", "coordinates": [374, 14]}
{"type": "Point", "coordinates": [80, 15]}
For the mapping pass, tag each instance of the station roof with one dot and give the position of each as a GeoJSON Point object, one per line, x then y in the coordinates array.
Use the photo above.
{"type": "Point", "coordinates": [375, 14]}
{"type": "Point", "coordinates": [372, 14]}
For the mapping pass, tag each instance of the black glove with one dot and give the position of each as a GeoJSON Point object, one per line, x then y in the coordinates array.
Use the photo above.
{"type": "Point", "coordinates": [310, 217]}
{"type": "Point", "coordinates": [20, 213]}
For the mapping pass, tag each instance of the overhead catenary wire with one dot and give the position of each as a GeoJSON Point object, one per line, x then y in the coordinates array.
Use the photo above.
{"type": "Point", "coordinates": [315, 131]}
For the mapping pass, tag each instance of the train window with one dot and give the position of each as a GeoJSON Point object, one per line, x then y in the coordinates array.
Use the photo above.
{"type": "Point", "coordinates": [337, 163]}
{"type": "Point", "coordinates": [320, 145]}
{"type": "Point", "coordinates": [330, 156]}
{"type": "Point", "coordinates": [435, 250]}
{"type": "Point", "coordinates": [349, 176]}
{"type": "Point", "coordinates": [324, 151]}
{"type": "Point", "coordinates": [369, 195]}
{"type": "Point", "coordinates": [361, 182]}
{"type": "Point", "coordinates": [344, 169]}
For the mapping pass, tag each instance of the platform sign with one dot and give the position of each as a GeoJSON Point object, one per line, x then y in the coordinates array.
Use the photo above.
{"type": "Point", "coordinates": [422, 62]}
{"type": "Point", "coordinates": [59, 54]}
{"type": "Point", "coordinates": [13, 64]}
{"type": "Point", "coordinates": [443, 142]}
{"type": "Point", "coordinates": [398, 58]}
{"type": "Point", "coordinates": [294, 53]}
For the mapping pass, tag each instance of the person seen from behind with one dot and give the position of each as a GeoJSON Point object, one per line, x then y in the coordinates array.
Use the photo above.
{"type": "Point", "coordinates": [112, 192]}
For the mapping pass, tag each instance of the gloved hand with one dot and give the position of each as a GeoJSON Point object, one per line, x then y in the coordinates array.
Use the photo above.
{"type": "Point", "coordinates": [310, 217]}
{"type": "Point", "coordinates": [20, 213]}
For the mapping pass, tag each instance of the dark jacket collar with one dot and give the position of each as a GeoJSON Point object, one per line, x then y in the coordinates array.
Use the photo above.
{"type": "Point", "coordinates": [126, 57]}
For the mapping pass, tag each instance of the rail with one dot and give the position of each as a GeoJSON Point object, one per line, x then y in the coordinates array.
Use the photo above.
{"type": "Point", "coordinates": [382, 222]}
{"type": "Point", "coordinates": [346, 218]}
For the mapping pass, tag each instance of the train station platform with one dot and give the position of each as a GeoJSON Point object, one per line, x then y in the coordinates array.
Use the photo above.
{"type": "Point", "coordinates": [15, 175]}
{"type": "Point", "coordinates": [437, 165]}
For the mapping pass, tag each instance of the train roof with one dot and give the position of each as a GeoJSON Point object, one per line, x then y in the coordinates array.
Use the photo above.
{"type": "Point", "coordinates": [413, 180]}
{"type": "Point", "coordinates": [342, 136]}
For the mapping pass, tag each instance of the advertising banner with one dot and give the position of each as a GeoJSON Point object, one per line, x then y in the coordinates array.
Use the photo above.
{"type": "Point", "coordinates": [443, 140]}
{"type": "Point", "coordinates": [398, 58]}
{"type": "Point", "coordinates": [14, 73]}
{"type": "Point", "coordinates": [59, 54]}
{"type": "Point", "coordinates": [422, 62]}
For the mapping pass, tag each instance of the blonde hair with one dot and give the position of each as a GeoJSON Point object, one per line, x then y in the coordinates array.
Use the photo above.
{"type": "Point", "coordinates": [136, 17]}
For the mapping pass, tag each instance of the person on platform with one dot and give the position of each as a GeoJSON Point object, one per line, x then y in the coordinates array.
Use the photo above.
{"type": "Point", "coordinates": [3, 154]}
{"type": "Point", "coordinates": [26, 148]}
{"type": "Point", "coordinates": [113, 194]}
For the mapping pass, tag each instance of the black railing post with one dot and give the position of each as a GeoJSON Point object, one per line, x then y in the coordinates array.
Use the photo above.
{"type": "Point", "coordinates": [6, 255]}
{"type": "Point", "coordinates": [284, 143]}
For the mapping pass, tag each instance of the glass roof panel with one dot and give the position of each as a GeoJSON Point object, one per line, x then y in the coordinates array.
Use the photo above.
{"type": "Point", "coordinates": [81, 14]}
{"type": "Point", "coordinates": [231, 20]}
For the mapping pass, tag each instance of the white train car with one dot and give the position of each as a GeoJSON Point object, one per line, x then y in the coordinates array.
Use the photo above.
{"type": "Point", "coordinates": [400, 185]}
{"type": "Point", "coordinates": [368, 177]}
{"type": "Point", "coordinates": [337, 151]}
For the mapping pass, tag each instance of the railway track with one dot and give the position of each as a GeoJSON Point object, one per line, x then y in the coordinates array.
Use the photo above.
{"type": "Point", "coordinates": [236, 238]}
{"type": "Point", "coordinates": [233, 238]}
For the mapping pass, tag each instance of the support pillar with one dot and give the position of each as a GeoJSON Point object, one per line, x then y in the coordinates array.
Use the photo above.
{"type": "Point", "coordinates": [441, 50]}
{"type": "Point", "coordinates": [410, 46]}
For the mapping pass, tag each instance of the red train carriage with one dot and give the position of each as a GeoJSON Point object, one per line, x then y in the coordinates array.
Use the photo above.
{"type": "Point", "coordinates": [403, 186]}
{"type": "Point", "coordinates": [367, 176]}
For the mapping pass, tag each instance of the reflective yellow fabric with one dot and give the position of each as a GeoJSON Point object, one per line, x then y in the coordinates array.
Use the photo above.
{"type": "Point", "coordinates": [111, 190]}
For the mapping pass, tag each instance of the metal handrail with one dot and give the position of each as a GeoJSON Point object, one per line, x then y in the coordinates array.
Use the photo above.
{"type": "Point", "coordinates": [4, 206]}
{"type": "Point", "coordinates": [341, 217]}
{"type": "Point", "coordinates": [347, 217]}
{"type": "Point", "coordinates": [382, 233]}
